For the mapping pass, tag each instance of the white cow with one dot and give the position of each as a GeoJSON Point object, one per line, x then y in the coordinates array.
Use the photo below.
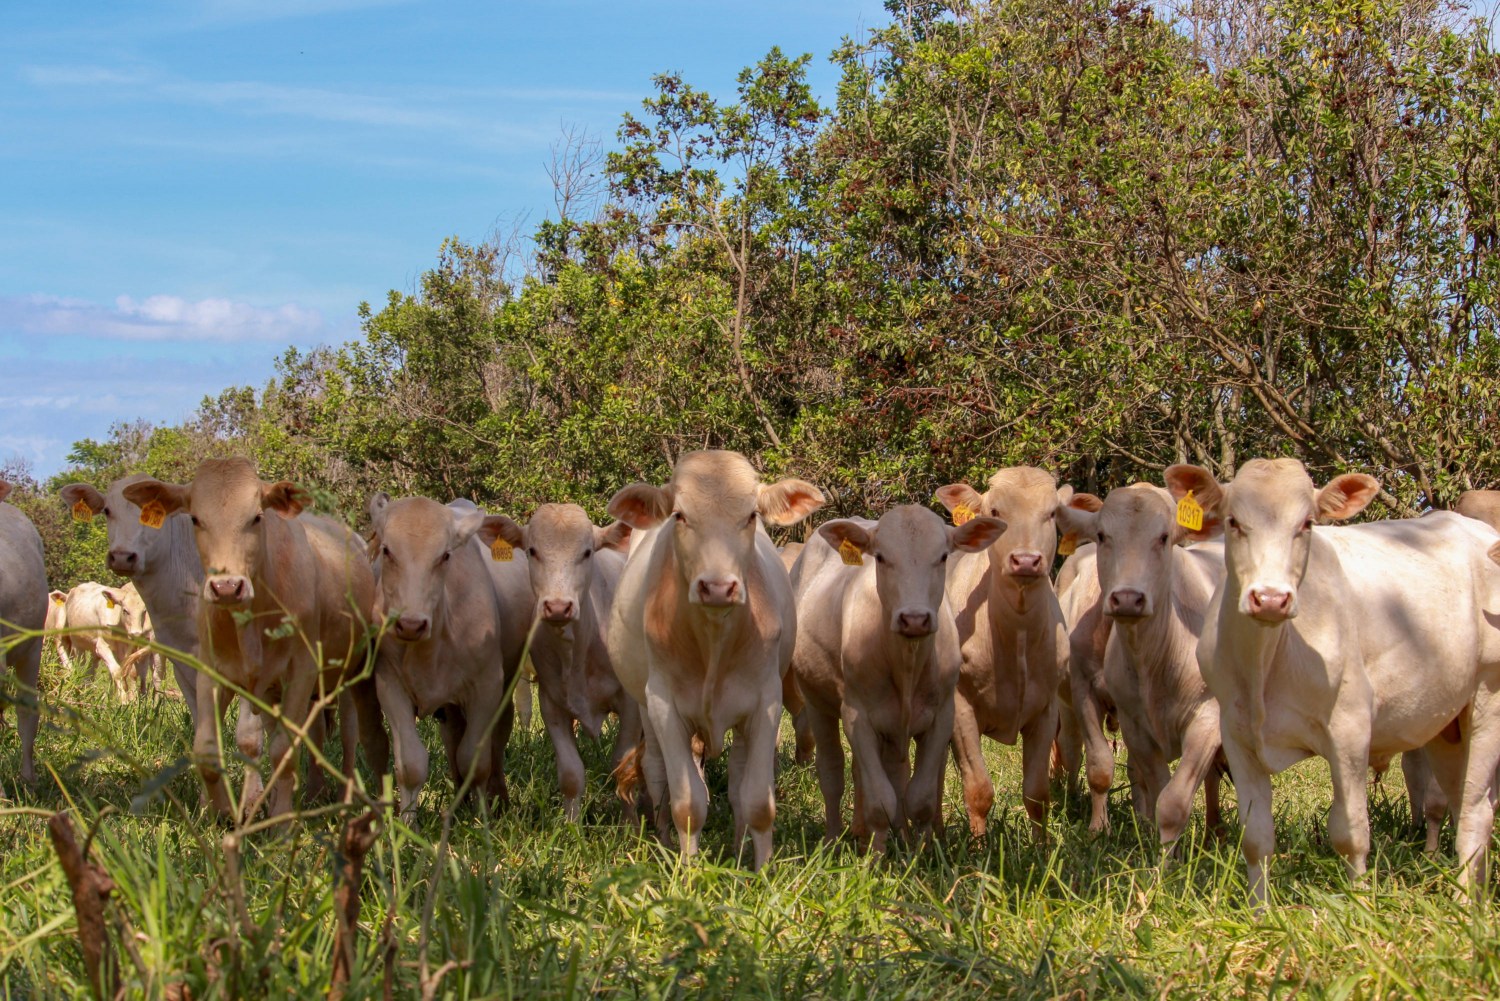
{"type": "Point", "coordinates": [702, 631]}
{"type": "Point", "coordinates": [112, 622]}
{"type": "Point", "coordinates": [23, 606]}
{"type": "Point", "coordinates": [878, 649]}
{"type": "Point", "coordinates": [1351, 644]}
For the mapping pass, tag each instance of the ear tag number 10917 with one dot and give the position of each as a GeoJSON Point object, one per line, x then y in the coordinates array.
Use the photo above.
{"type": "Point", "coordinates": [1190, 513]}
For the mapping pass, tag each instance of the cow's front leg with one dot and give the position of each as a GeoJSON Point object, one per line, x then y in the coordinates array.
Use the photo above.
{"type": "Point", "coordinates": [1036, 779]}
{"type": "Point", "coordinates": [1252, 783]}
{"type": "Point", "coordinates": [559, 723]}
{"type": "Point", "coordinates": [829, 761]}
{"type": "Point", "coordinates": [758, 782]}
{"type": "Point", "coordinates": [628, 738]}
{"type": "Point", "coordinates": [924, 794]}
{"type": "Point", "coordinates": [879, 800]}
{"type": "Point", "coordinates": [1476, 817]}
{"type": "Point", "coordinates": [249, 739]}
{"type": "Point", "coordinates": [411, 753]}
{"type": "Point", "coordinates": [207, 754]}
{"type": "Point", "coordinates": [475, 752]}
{"type": "Point", "coordinates": [687, 791]}
{"type": "Point", "coordinates": [979, 790]}
{"type": "Point", "coordinates": [1200, 749]}
{"type": "Point", "coordinates": [296, 706]}
{"type": "Point", "coordinates": [119, 674]}
{"type": "Point", "coordinates": [1349, 820]}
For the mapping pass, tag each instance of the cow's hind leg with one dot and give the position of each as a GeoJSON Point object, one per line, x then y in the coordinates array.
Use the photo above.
{"type": "Point", "coordinates": [979, 790]}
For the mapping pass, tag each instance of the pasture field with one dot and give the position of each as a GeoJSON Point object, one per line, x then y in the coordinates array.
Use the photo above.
{"type": "Point", "coordinates": [524, 905]}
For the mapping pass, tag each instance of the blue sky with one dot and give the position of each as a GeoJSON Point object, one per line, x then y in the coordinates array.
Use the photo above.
{"type": "Point", "coordinates": [188, 187]}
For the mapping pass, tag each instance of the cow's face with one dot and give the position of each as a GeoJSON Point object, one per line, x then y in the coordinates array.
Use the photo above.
{"type": "Point", "coordinates": [228, 504]}
{"type": "Point", "coordinates": [561, 545]}
{"type": "Point", "coordinates": [712, 507]}
{"type": "Point", "coordinates": [910, 546]}
{"type": "Point", "coordinates": [416, 541]}
{"type": "Point", "coordinates": [130, 541]}
{"type": "Point", "coordinates": [1134, 529]}
{"type": "Point", "coordinates": [1027, 500]}
{"type": "Point", "coordinates": [1268, 513]}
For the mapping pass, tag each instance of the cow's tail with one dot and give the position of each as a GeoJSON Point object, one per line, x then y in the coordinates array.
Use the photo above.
{"type": "Point", "coordinates": [628, 774]}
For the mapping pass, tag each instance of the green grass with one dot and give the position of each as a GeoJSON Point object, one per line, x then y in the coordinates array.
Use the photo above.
{"type": "Point", "coordinates": [524, 905]}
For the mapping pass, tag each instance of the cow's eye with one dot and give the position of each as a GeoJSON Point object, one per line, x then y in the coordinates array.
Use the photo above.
{"type": "Point", "coordinates": [1233, 523]}
{"type": "Point", "coordinates": [879, 558]}
{"type": "Point", "coordinates": [1307, 525]}
{"type": "Point", "coordinates": [447, 556]}
{"type": "Point", "coordinates": [385, 551]}
{"type": "Point", "coordinates": [531, 552]}
{"type": "Point", "coordinates": [586, 554]}
{"type": "Point", "coordinates": [943, 558]}
{"type": "Point", "coordinates": [195, 520]}
{"type": "Point", "coordinates": [106, 512]}
{"type": "Point", "coordinates": [1102, 538]}
{"type": "Point", "coordinates": [1163, 540]}
{"type": "Point", "coordinates": [678, 517]}
{"type": "Point", "coordinates": [255, 520]}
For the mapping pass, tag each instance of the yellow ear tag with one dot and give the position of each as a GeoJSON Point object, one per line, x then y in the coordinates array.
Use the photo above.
{"type": "Point", "coordinates": [1190, 513]}
{"type": "Point", "coordinates": [109, 602]}
{"type": "Point", "coordinates": [963, 513]}
{"type": "Point", "coordinates": [502, 551]}
{"type": "Point", "coordinates": [82, 511]}
{"type": "Point", "coordinates": [850, 554]}
{"type": "Point", "coordinates": [60, 599]}
{"type": "Point", "coordinates": [153, 514]}
{"type": "Point", "coordinates": [1068, 544]}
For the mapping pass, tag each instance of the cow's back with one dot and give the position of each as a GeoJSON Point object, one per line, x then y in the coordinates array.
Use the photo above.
{"type": "Point", "coordinates": [345, 585]}
{"type": "Point", "coordinates": [820, 579]}
{"type": "Point", "coordinates": [1417, 590]}
{"type": "Point", "coordinates": [23, 573]}
{"type": "Point", "coordinates": [627, 620]}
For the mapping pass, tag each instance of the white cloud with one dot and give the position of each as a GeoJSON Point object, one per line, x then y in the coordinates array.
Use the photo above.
{"type": "Point", "coordinates": [161, 318]}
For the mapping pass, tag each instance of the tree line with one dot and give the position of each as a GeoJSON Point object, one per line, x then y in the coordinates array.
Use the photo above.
{"type": "Point", "coordinates": [1098, 236]}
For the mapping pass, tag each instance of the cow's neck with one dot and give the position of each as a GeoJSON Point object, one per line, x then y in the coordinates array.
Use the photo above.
{"type": "Point", "coordinates": [1016, 605]}
{"type": "Point", "coordinates": [908, 660]}
{"type": "Point", "coordinates": [174, 573]}
{"type": "Point", "coordinates": [1246, 650]}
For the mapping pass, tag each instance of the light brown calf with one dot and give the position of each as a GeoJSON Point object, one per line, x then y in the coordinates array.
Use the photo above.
{"type": "Point", "coordinates": [575, 569]}
{"type": "Point", "coordinates": [442, 652]}
{"type": "Point", "coordinates": [1014, 640]}
{"type": "Point", "coordinates": [878, 649]}
{"type": "Point", "coordinates": [1155, 591]}
{"type": "Point", "coordinates": [702, 632]}
{"type": "Point", "coordinates": [284, 608]}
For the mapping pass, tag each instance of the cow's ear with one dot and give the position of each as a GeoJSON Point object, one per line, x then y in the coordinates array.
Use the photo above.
{"type": "Point", "coordinates": [498, 526]}
{"type": "Point", "coordinates": [61, 597]}
{"type": "Point", "coordinates": [615, 535]}
{"type": "Point", "coordinates": [1080, 517]}
{"type": "Point", "coordinates": [85, 492]}
{"type": "Point", "coordinates": [172, 497]}
{"type": "Point", "coordinates": [1183, 479]}
{"type": "Point", "coordinates": [641, 506]}
{"type": "Point", "coordinates": [787, 502]}
{"type": "Point", "coordinates": [1346, 495]}
{"type": "Point", "coordinates": [960, 495]}
{"type": "Point", "coordinates": [466, 524]}
{"type": "Point", "coordinates": [843, 533]}
{"type": "Point", "coordinates": [379, 501]}
{"type": "Point", "coordinates": [285, 498]}
{"type": "Point", "coordinates": [975, 535]}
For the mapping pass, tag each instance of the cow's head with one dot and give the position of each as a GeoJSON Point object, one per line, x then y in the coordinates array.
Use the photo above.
{"type": "Point", "coordinates": [910, 546]}
{"type": "Point", "coordinates": [1135, 529]}
{"type": "Point", "coordinates": [560, 545]}
{"type": "Point", "coordinates": [131, 543]}
{"type": "Point", "coordinates": [1268, 513]}
{"type": "Point", "coordinates": [416, 541]}
{"type": "Point", "coordinates": [712, 506]}
{"type": "Point", "coordinates": [1027, 500]}
{"type": "Point", "coordinates": [228, 504]}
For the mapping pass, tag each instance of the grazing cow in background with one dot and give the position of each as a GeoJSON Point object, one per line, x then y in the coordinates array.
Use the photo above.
{"type": "Point", "coordinates": [161, 560]}
{"type": "Point", "coordinates": [1085, 696]}
{"type": "Point", "coordinates": [111, 618]}
{"type": "Point", "coordinates": [1155, 592]}
{"type": "Point", "coordinates": [702, 633]}
{"type": "Point", "coordinates": [444, 642]}
{"type": "Point", "coordinates": [878, 648]}
{"type": "Point", "coordinates": [1348, 643]}
{"type": "Point", "coordinates": [575, 568]}
{"type": "Point", "coordinates": [309, 593]}
{"type": "Point", "coordinates": [1015, 644]}
{"type": "Point", "coordinates": [23, 606]}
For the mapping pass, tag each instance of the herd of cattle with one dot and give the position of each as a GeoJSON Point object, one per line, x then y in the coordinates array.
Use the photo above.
{"type": "Point", "coordinates": [1226, 627]}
